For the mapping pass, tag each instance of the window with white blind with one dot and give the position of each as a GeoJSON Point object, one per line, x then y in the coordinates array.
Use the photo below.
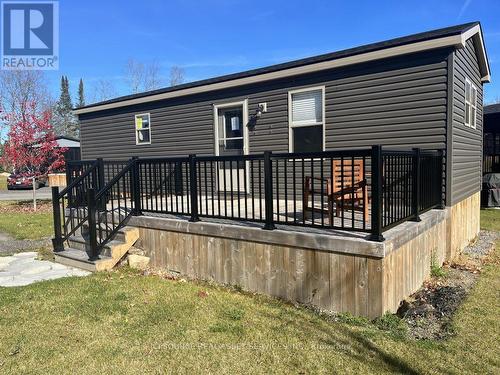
{"type": "Point", "coordinates": [306, 119]}
{"type": "Point", "coordinates": [470, 104]}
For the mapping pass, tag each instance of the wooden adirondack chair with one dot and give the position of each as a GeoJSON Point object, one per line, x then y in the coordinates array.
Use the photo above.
{"type": "Point", "coordinates": [346, 190]}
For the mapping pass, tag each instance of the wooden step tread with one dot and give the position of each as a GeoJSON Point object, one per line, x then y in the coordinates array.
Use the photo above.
{"type": "Point", "coordinates": [80, 259]}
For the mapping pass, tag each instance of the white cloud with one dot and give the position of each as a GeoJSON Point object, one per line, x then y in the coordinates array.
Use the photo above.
{"type": "Point", "coordinates": [463, 9]}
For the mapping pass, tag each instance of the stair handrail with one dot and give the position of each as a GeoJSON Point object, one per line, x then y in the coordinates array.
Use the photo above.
{"type": "Point", "coordinates": [115, 179]}
{"type": "Point", "coordinates": [60, 235]}
{"type": "Point", "coordinates": [77, 180]}
{"type": "Point", "coordinates": [98, 210]}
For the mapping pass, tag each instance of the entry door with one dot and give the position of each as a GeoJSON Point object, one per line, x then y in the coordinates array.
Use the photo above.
{"type": "Point", "coordinates": [231, 134]}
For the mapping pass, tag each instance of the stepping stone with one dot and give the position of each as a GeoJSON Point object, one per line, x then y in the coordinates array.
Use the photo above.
{"type": "Point", "coordinates": [35, 268]}
{"type": "Point", "coordinates": [29, 254]}
{"type": "Point", "coordinates": [24, 269]}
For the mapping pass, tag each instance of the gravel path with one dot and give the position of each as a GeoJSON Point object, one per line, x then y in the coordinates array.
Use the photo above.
{"type": "Point", "coordinates": [483, 245]}
{"type": "Point", "coordinates": [9, 245]}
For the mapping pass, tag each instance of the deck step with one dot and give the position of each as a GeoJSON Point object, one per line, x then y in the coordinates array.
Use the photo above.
{"type": "Point", "coordinates": [77, 254]}
{"type": "Point", "coordinates": [80, 259]}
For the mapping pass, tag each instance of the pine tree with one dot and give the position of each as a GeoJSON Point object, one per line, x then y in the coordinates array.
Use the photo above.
{"type": "Point", "coordinates": [63, 119]}
{"type": "Point", "coordinates": [65, 98]}
{"type": "Point", "coordinates": [81, 95]}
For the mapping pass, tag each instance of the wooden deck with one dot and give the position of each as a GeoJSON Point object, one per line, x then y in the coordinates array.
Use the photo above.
{"type": "Point", "coordinates": [288, 212]}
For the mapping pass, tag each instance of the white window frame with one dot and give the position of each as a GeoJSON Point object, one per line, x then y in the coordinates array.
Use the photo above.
{"type": "Point", "coordinates": [137, 142]}
{"type": "Point", "coordinates": [246, 149]}
{"type": "Point", "coordinates": [291, 125]}
{"type": "Point", "coordinates": [472, 121]}
{"type": "Point", "coordinates": [216, 107]}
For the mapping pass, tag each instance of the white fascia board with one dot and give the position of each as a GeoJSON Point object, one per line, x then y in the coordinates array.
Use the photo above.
{"type": "Point", "coordinates": [475, 32]}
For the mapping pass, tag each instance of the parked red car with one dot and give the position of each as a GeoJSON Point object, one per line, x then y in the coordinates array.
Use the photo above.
{"type": "Point", "coordinates": [19, 181]}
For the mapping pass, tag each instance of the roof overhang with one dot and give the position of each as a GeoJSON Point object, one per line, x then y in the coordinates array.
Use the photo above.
{"type": "Point", "coordinates": [457, 41]}
{"type": "Point", "coordinates": [476, 34]}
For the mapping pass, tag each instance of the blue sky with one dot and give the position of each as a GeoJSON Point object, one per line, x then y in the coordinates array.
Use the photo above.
{"type": "Point", "coordinates": [210, 38]}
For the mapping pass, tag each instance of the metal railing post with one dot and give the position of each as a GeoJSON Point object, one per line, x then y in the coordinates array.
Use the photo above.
{"type": "Point", "coordinates": [268, 191]}
{"type": "Point", "coordinates": [376, 213]}
{"type": "Point", "coordinates": [416, 178]}
{"type": "Point", "coordinates": [136, 187]}
{"type": "Point", "coordinates": [193, 188]}
{"type": "Point", "coordinates": [57, 241]}
{"type": "Point", "coordinates": [441, 173]}
{"type": "Point", "coordinates": [68, 173]}
{"type": "Point", "coordinates": [100, 183]}
{"type": "Point", "coordinates": [100, 175]}
{"type": "Point", "coordinates": [91, 221]}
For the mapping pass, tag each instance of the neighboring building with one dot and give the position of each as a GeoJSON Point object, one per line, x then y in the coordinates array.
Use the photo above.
{"type": "Point", "coordinates": [491, 143]}
{"type": "Point", "coordinates": [72, 153]}
{"type": "Point", "coordinates": [72, 145]}
{"type": "Point", "coordinates": [356, 249]}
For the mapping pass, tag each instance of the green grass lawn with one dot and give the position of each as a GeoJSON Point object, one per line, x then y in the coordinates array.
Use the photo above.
{"type": "Point", "coordinates": [122, 322]}
{"type": "Point", "coordinates": [19, 220]}
{"type": "Point", "coordinates": [490, 219]}
{"type": "Point", "coordinates": [125, 323]}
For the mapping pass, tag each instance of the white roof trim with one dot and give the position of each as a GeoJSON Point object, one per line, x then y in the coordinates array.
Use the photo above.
{"type": "Point", "coordinates": [455, 40]}
{"type": "Point", "coordinates": [476, 33]}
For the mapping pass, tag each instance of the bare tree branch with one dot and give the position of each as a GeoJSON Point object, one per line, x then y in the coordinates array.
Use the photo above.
{"type": "Point", "coordinates": [103, 90]}
{"type": "Point", "coordinates": [142, 77]}
{"type": "Point", "coordinates": [152, 77]}
{"type": "Point", "coordinates": [134, 75]}
{"type": "Point", "coordinates": [176, 75]}
{"type": "Point", "coordinates": [22, 91]}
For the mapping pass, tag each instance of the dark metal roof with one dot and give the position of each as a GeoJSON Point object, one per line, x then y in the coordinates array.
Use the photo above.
{"type": "Point", "coordinates": [492, 108]}
{"type": "Point", "coordinates": [420, 37]}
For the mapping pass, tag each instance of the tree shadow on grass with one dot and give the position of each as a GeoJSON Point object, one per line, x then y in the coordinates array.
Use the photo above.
{"type": "Point", "coordinates": [343, 340]}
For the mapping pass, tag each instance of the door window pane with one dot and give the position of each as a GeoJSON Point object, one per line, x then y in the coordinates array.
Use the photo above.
{"type": "Point", "coordinates": [233, 121]}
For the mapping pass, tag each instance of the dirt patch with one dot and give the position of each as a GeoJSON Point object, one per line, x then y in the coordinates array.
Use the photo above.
{"type": "Point", "coordinates": [429, 312]}
{"type": "Point", "coordinates": [11, 246]}
{"type": "Point", "coordinates": [25, 206]}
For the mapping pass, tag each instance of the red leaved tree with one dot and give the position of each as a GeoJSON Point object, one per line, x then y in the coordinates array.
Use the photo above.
{"type": "Point", "coordinates": [31, 149]}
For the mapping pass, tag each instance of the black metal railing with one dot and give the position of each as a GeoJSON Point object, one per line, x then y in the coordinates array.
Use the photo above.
{"type": "Point", "coordinates": [70, 206]}
{"type": "Point", "coordinates": [75, 168]}
{"type": "Point", "coordinates": [110, 208]}
{"type": "Point", "coordinates": [164, 185]}
{"type": "Point", "coordinates": [368, 190]}
{"type": "Point", "coordinates": [229, 187]}
{"type": "Point", "coordinates": [412, 183]}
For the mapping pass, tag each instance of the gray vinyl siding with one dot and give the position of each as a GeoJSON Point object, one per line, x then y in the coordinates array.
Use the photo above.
{"type": "Point", "coordinates": [398, 102]}
{"type": "Point", "coordinates": [466, 142]}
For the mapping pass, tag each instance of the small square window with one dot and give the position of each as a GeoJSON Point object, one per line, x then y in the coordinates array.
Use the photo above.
{"type": "Point", "coordinates": [142, 129]}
